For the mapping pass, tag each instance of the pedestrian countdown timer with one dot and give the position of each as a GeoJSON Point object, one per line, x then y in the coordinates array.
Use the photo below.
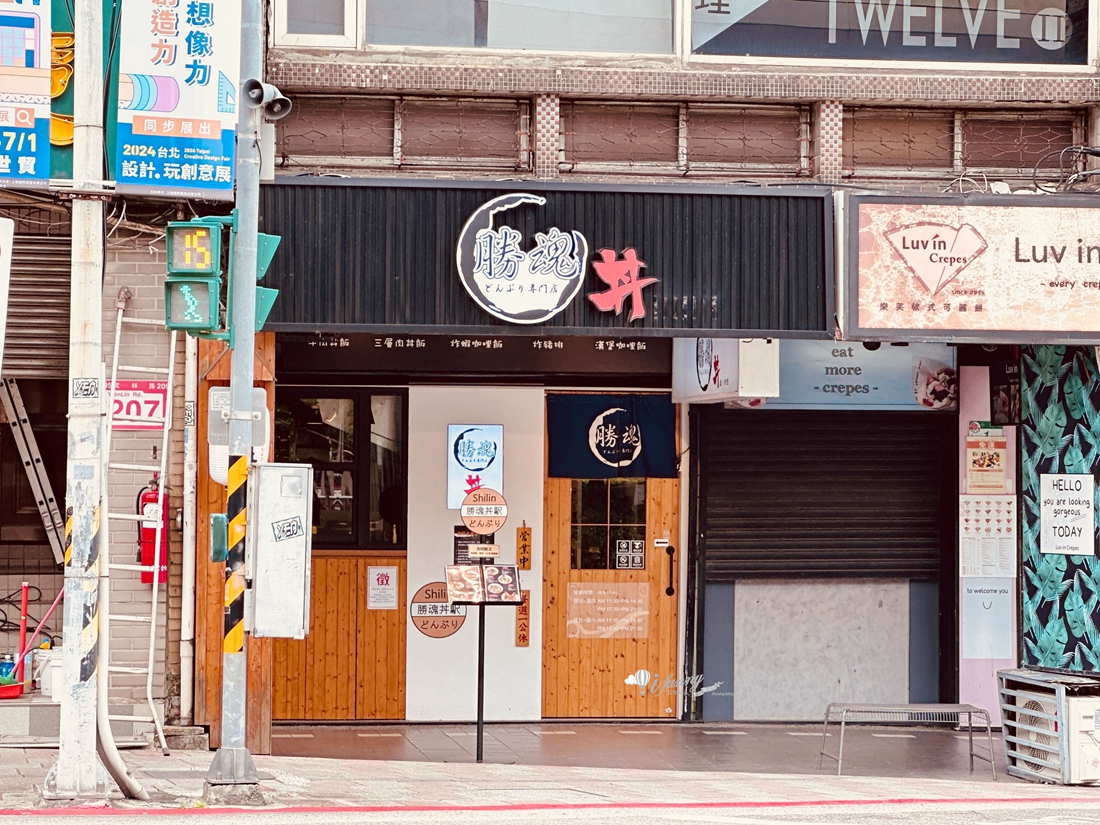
{"type": "Point", "coordinates": [193, 288]}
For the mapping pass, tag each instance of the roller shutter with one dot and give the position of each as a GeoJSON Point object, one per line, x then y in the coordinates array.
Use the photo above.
{"type": "Point", "coordinates": [37, 340]}
{"type": "Point", "coordinates": [788, 493]}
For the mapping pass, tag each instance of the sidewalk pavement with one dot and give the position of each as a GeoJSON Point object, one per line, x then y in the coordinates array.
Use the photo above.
{"type": "Point", "coordinates": [310, 783]}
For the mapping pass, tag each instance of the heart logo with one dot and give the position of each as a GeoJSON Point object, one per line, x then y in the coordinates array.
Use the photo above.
{"type": "Point", "coordinates": [936, 252]}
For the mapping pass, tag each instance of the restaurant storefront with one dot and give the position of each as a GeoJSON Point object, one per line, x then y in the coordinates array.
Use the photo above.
{"type": "Point", "coordinates": [432, 338]}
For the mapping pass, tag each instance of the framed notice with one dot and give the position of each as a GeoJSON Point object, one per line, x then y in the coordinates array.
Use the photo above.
{"type": "Point", "coordinates": [987, 536]}
{"type": "Point", "coordinates": [986, 459]}
{"type": "Point", "coordinates": [1066, 514]}
{"type": "Point", "coordinates": [381, 588]}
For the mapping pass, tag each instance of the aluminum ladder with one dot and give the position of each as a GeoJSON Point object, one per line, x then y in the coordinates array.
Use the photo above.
{"type": "Point", "coordinates": [48, 508]}
{"type": "Point", "coordinates": [107, 566]}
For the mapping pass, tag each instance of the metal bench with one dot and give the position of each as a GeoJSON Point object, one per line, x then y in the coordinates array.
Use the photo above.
{"type": "Point", "coordinates": [906, 714]}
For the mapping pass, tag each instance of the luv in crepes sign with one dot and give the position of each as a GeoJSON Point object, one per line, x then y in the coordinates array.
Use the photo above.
{"type": "Point", "coordinates": [973, 269]}
{"type": "Point", "coordinates": [177, 97]}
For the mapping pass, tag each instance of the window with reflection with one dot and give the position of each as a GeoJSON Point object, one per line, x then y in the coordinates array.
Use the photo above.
{"type": "Point", "coordinates": [606, 512]}
{"type": "Point", "coordinates": [358, 486]}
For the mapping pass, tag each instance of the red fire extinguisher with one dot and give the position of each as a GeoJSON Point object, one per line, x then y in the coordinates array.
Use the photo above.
{"type": "Point", "coordinates": [148, 503]}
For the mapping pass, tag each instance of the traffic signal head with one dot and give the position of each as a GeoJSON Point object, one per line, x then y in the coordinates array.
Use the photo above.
{"type": "Point", "coordinates": [193, 289]}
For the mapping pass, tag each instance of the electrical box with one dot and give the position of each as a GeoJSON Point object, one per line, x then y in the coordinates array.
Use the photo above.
{"type": "Point", "coordinates": [278, 548]}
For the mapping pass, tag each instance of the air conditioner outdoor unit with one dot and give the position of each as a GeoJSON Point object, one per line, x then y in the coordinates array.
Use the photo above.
{"type": "Point", "coordinates": [1051, 726]}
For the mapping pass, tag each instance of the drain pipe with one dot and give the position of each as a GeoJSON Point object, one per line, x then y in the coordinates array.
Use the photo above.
{"type": "Point", "coordinates": [190, 477]}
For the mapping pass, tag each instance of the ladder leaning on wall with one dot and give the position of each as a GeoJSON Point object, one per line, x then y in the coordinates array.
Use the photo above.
{"type": "Point", "coordinates": [159, 470]}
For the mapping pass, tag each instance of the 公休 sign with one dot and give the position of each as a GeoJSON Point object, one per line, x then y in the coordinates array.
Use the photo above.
{"type": "Point", "coordinates": [177, 98]}
{"type": "Point", "coordinates": [973, 269]}
{"type": "Point", "coordinates": [1066, 514]}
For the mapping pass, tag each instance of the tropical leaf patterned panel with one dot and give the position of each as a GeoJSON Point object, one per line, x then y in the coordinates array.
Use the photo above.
{"type": "Point", "coordinates": [1061, 434]}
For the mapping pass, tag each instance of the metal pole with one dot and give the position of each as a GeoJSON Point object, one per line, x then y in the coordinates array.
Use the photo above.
{"type": "Point", "coordinates": [77, 773]}
{"type": "Point", "coordinates": [232, 763]}
{"type": "Point", "coordinates": [480, 681]}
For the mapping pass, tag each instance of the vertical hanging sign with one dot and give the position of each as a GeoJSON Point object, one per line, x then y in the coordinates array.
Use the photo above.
{"type": "Point", "coordinates": [177, 98]}
{"type": "Point", "coordinates": [25, 49]}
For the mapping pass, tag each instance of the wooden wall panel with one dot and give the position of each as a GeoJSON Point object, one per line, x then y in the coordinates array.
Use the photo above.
{"type": "Point", "coordinates": [214, 370]}
{"type": "Point", "coordinates": [351, 665]}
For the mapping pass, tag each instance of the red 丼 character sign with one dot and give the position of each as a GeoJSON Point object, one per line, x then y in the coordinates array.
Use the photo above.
{"type": "Point", "coordinates": [623, 279]}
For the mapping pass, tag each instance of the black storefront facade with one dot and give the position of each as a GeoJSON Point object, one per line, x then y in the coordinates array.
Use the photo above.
{"type": "Point", "coordinates": [434, 336]}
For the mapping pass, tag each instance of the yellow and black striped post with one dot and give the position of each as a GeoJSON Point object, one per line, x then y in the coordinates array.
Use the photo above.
{"type": "Point", "coordinates": [237, 515]}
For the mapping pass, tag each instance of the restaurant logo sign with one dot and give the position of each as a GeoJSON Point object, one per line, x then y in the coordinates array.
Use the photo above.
{"type": "Point", "coordinates": [935, 252]}
{"type": "Point", "coordinates": [531, 286]}
{"type": "Point", "coordinates": [965, 269]}
{"type": "Point", "coordinates": [614, 438]}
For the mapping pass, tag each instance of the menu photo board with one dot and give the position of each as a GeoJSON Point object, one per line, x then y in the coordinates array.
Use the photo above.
{"type": "Point", "coordinates": [483, 584]}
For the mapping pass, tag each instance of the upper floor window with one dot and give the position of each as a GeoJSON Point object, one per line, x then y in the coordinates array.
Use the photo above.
{"type": "Point", "coordinates": [316, 22]}
{"type": "Point", "coordinates": [638, 26]}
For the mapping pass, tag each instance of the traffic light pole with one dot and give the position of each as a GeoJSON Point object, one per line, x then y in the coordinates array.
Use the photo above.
{"type": "Point", "coordinates": [233, 765]}
{"type": "Point", "coordinates": [77, 774]}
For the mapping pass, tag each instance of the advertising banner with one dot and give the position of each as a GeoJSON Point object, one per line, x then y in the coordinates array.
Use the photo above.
{"type": "Point", "coordinates": [1023, 31]}
{"type": "Point", "coordinates": [827, 374]}
{"type": "Point", "coordinates": [177, 98]}
{"type": "Point", "coordinates": [25, 49]}
{"type": "Point", "coordinates": [973, 269]}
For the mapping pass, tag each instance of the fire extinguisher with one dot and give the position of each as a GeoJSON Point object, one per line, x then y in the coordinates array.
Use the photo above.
{"type": "Point", "coordinates": [148, 503]}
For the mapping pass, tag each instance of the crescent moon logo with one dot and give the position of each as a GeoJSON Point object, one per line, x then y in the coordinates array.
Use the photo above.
{"type": "Point", "coordinates": [616, 444]}
{"type": "Point", "coordinates": [514, 284]}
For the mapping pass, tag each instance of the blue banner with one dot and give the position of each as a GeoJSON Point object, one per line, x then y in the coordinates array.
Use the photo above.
{"type": "Point", "coordinates": [611, 436]}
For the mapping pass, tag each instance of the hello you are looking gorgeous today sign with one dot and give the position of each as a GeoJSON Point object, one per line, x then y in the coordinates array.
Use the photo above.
{"type": "Point", "coordinates": [1067, 514]}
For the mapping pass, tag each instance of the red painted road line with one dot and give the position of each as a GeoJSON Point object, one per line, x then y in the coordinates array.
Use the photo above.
{"type": "Point", "coordinates": [537, 806]}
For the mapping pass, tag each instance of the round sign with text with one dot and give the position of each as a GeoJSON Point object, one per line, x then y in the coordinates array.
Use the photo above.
{"type": "Point", "coordinates": [431, 613]}
{"type": "Point", "coordinates": [484, 511]}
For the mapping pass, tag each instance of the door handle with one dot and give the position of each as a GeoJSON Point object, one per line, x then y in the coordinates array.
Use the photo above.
{"type": "Point", "coordinates": [670, 590]}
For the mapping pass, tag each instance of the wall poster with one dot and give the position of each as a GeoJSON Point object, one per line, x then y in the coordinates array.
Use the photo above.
{"type": "Point", "coordinates": [986, 458]}
{"type": "Point", "coordinates": [608, 610]}
{"type": "Point", "coordinates": [475, 459]}
{"type": "Point", "coordinates": [987, 535]}
{"type": "Point", "coordinates": [382, 588]}
{"type": "Point", "coordinates": [1067, 514]}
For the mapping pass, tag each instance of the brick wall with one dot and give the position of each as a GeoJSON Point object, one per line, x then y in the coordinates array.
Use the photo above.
{"type": "Point", "coordinates": [138, 263]}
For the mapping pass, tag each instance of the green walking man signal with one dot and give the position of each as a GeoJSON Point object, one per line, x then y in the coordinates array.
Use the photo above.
{"type": "Point", "coordinates": [192, 292]}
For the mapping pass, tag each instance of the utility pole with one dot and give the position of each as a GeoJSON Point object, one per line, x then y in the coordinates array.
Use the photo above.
{"type": "Point", "coordinates": [232, 765]}
{"type": "Point", "coordinates": [77, 773]}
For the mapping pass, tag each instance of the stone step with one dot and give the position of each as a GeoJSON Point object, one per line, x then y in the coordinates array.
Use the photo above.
{"type": "Point", "coordinates": [186, 738]}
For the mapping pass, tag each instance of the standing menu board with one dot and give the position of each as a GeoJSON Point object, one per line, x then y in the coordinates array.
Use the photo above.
{"type": "Point", "coordinates": [483, 584]}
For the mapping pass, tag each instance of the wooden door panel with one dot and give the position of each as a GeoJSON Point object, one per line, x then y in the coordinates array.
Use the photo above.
{"type": "Point", "coordinates": [586, 677]}
{"type": "Point", "coordinates": [351, 665]}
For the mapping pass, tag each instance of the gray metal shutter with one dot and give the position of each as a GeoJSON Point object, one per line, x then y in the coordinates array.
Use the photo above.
{"type": "Point", "coordinates": [37, 340]}
{"type": "Point", "coordinates": [796, 493]}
